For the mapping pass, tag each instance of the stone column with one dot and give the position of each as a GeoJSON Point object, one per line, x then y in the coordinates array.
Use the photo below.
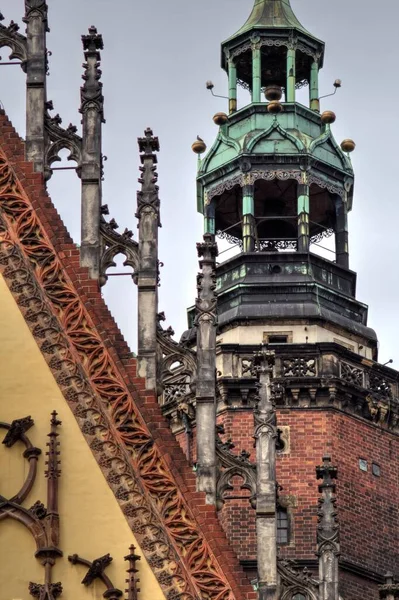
{"type": "Point", "coordinates": [206, 323]}
{"type": "Point", "coordinates": [148, 214]}
{"type": "Point", "coordinates": [248, 218]}
{"type": "Point", "coordinates": [36, 70]}
{"type": "Point", "coordinates": [314, 87]}
{"type": "Point", "coordinates": [256, 72]}
{"type": "Point", "coordinates": [92, 110]}
{"type": "Point", "coordinates": [291, 75]}
{"type": "Point", "coordinates": [266, 511]}
{"type": "Point", "coordinates": [303, 217]}
{"type": "Point", "coordinates": [232, 86]}
{"type": "Point", "coordinates": [328, 549]}
{"type": "Point", "coordinates": [341, 233]}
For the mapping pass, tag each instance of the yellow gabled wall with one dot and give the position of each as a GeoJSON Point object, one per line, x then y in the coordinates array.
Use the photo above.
{"type": "Point", "coordinates": [92, 523]}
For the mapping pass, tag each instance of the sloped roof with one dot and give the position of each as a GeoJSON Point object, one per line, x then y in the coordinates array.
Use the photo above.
{"type": "Point", "coordinates": [270, 14]}
{"type": "Point", "coordinates": [92, 364]}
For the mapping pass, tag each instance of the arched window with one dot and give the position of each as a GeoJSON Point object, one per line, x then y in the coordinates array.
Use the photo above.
{"type": "Point", "coordinates": [283, 528]}
{"type": "Point", "coordinates": [299, 597]}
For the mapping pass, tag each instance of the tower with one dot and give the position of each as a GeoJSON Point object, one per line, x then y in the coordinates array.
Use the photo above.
{"type": "Point", "coordinates": [296, 362]}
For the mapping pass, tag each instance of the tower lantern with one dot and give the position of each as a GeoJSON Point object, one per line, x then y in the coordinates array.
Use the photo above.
{"type": "Point", "coordinates": [276, 183]}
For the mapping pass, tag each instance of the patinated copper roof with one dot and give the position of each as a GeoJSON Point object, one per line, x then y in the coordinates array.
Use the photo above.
{"type": "Point", "coordinates": [272, 13]}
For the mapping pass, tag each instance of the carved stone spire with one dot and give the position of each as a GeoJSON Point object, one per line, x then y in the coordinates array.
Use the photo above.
{"type": "Point", "coordinates": [265, 439]}
{"type": "Point", "coordinates": [328, 548]}
{"type": "Point", "coordinates": [53, 473]}
{"type": "Point", "coordinates": [148, 214]}
{"type": "Point", "coordinates": [132, 581]}
{"type": "Point", "coordinates": [92, 109]}
{"type": "Point", "coordinates": [36, 70]}
{"type": "Point", "coordinates": [206, 322]}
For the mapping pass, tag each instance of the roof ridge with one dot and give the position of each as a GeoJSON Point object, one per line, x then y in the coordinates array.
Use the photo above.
{"type": "Point", "coordinates": [157, 465]}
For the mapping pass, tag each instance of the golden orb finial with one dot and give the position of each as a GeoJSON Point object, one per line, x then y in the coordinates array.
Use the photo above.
{"type": "Point", "coordinates": [198, 146]}
{"type": "Point", "coordinates": [328, 117]}
{"type": "Point", "coordinates": [220, 118]}
{"type": "Point", "coordinates": [348, 145]}
{"type": "Point", "coordinates": [274, 107]}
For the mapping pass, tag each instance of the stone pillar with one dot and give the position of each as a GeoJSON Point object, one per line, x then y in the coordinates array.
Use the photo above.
{"type": "Point", "coordinates": [328, 549]}
{"type": "Point", "coordinates": [92, 110]}
{"type": "Point", "coordinates": [291, 75]}
{"type": "Point", "coordinates": [256, 72]}
{"type": "Point", "coordinates": [148, 214]}
{"type": "Point", "coordinates": [266, 511]}
{"type": "Point", "coordinates": [206, 323]}
{"type": "Point", "coordinates": [36, 70]}
{"type": "Point", "coordinates": [341, 233]}
{"type": "Point", "coordinates": [209, 221]}
{"type": "Point", "coordinates": [232, 86]}
{"type": "Point", "coordinates": [248, 218]}
{"type": "Point", "coordinates": [314, 87]}
{"type": "Point", "coordinates": [303, 217]}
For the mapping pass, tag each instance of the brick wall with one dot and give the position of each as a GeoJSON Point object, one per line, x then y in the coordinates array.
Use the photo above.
{"type": "Point", "coordinates": [367, 504]}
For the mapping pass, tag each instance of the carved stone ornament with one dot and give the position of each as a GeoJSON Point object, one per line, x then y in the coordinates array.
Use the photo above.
{"type": "Point", "coordinates": [299, 367]}
{"type": "Point", "coordinates": [89, 378]}
{"type": "Point", "coordinates": [231, 465]}
{"type": "Point", "coordinates": [57, 139]}
{"type": "Point", "coordinates": [148, 196]}
{"type": "Point", "coordinates": [97, 571]}
{"type": "Point", "coordinates": [352, 375]}
{"type": "Point", "coordinates": [177, 367]}
{"type": "Point", "coordinates": [390, 589]}
{"type": "Point", "coordinates": [114, 244]}
{"type": "Point", "coordinates": [293, 581]}
{"type": "Point", "coordinates": [91, 91]}
{"type": "Point", "coordinates": [10, 38]}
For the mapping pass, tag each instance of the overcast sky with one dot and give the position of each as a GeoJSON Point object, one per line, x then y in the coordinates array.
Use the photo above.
{"type": "Point", "coordinates": [158, 55]}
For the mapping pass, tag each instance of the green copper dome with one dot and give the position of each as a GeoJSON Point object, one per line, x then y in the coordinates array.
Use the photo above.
{"type": "Point", "coordinates": [271, 14]}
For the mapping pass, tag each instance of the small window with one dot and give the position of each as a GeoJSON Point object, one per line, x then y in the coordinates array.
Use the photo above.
{"type": "Point", "coordinates": [299, 597]}
{"type": "Point", "coordinates": [278, 339]}
{"type": "Point", "coordinates": [282, 526]}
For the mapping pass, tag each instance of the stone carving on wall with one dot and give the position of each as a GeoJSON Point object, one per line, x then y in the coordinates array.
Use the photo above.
{"type": "Point", "coordinates": [299, 367]}
{"type": "Point", "coordinates": [104, 407]}
{"type": "Point", "coordinates": [352, 375]}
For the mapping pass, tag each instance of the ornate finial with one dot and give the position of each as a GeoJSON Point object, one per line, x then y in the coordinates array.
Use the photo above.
{"type": "Point", "coordinates": [148, 144]}
{"type": "Point", "coordinates": [148, 195]}
{"type": "Point", "coordinates": [53, 471]}
{"type": "Point", "coordinates": [91, 91]}
{"type": "Point", "coordinates": [132, 581]}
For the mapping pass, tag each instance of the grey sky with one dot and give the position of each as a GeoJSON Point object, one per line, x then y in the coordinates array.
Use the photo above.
{"type": "Point", "coordinates": [158, 55]}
